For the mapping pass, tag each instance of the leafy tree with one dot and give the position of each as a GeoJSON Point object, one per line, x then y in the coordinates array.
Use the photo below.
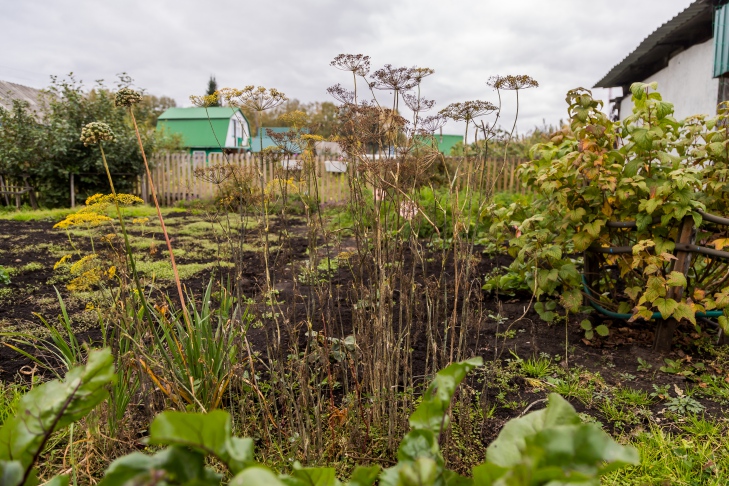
{"type": "Point", "coordinates": [153, 106]}
{"type": "Point", "coordinates": [46, 147]}
{"type": "Point", "coordinates": [322, 116]}
{"type": "Point", "coordinates": [23, 141]}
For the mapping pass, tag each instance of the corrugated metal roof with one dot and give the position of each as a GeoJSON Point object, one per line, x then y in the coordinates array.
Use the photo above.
{"type": "Point", "coordinates": [11, 91]}
{"type": "Point", "coordinates": [265, 140]}
{"type": "Point", "coordinates": [213, 112]}
{"type": "Point", "coordinates": [692, 26]}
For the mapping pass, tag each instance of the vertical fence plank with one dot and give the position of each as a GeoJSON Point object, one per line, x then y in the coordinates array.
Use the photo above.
{"type": "Point", "coordinates": [512, 170]}
{"type": "Point", "coordinates": [174, 176]}
{"type": "Point", "coordinates": [163, 177]}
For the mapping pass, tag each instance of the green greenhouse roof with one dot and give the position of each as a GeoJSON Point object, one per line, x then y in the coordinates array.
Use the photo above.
{"type": "Point", "coordinates": [214, 112]}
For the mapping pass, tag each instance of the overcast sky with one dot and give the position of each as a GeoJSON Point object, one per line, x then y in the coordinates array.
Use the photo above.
{"type": "Point", "coordinates": [171, 48]}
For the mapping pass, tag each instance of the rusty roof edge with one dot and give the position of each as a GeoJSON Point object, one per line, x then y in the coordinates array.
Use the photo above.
{"type": "Point", "coordinates": [657, 37]}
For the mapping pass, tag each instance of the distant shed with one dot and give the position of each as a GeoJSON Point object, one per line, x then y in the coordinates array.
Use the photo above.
{"type": "Point", "coordinates": [210, 130]}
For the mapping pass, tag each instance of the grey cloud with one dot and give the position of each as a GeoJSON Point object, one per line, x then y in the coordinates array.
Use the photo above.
{"type": "Point", "coordinates": [171, 47]}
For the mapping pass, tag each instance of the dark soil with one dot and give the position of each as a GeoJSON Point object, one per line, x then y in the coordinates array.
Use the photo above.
{"type": "Point", "coordinates": [521, 333]}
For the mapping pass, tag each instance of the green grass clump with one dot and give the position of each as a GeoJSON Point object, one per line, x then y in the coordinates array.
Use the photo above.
{"type": "Point", "coordinates": [30, 267]}
{"type": "Point", "coordinates": [61, 213]}
{"type": "Point", "coordinates": [162, 269]}
{"type": "Point", "coordinates": [10, 395]}
{"type": "Point", "coordinates": [27, 268]}
{"type": "Point", "coordinates": [208, 228]}
{"type": "Point", "coordinates": [698, 454]}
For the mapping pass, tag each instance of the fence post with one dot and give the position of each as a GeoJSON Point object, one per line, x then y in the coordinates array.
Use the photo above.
{"type": "Point", "coordinates": [143, 188]}
{"type": "Point", "coordinates": [666, 327]}
{"type": "Point", "coordinates": [73, 192]}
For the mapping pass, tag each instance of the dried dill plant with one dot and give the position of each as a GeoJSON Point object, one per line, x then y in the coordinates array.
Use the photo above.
{"type": "Point", "coordinates": [392, 164]}
{"type": "Point", "coordinates": [358, 65]}
{"type": "Point", "coordinates": [258, 99]}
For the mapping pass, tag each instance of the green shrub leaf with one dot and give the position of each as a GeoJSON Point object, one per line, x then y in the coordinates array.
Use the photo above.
{"type": "Point", "coordinates": [176, 465]}
{"type": "Point", "coordinates": [209, 433]}
{"type": "Point", "coordinates": [431, 413]}
{"type": "Point", "coordinates": [364, 476]}
{"type": "Point", "coordinates": [676, 279]}
{"type": "Point", "coordinates": [506, 450]}
{"type": "Point", "coordinates": [684, 311]}
{"type": "Point", "coordinates": [11, 473]}
{"type": "Point", "coordinates": [259, 475]}
{"type": "Point", "coordinates": [602, 330]}
{"type": "Point", "coordinates": [52, 406]}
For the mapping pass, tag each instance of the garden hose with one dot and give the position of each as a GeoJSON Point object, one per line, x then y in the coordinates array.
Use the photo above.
{"type": "Point", "coordinates": [618, 315]}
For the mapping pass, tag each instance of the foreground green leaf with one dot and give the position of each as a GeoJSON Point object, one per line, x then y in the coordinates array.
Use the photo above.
{"type": "Point", "coordinates": [50, 407]}
{"type": "Point", "coordinates": [174, 465]}
{"type": "Point", "coordinates": [209, 433]}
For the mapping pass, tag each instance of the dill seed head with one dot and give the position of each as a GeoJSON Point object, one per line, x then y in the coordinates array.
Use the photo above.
{"type": "Point", "coordinates": [396, 79]}
{"type": "Point", "coordinates": [431, 124]}
{"type": "Point", "coordinates": [512, 82]}
{"type": "Point", "coordinates": [339, 93]}
{"type": "Point", "coordinates": [205, 101]}
{"type": "Point", "coordinates": [417, 104]}
{"type": "Point", "coordinates": [468, 110]}
{"type": "Point", "coordinates": [357, 63]}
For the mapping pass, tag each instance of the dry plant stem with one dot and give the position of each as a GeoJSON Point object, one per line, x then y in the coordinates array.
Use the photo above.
{"type": "Point", "coordinates": [176, 274]}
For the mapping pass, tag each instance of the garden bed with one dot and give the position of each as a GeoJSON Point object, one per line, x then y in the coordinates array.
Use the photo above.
{"type": "Point", "coordinates": [610, 379]}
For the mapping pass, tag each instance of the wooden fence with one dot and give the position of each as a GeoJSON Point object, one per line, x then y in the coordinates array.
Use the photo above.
{"type": "Point", "coordinates": [175, 178]}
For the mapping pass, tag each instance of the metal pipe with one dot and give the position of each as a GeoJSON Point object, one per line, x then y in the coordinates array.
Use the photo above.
{"type": "Point", "coordinates": [702, 250]}
{"type": "Point", "coordinates": [613, 250]}
{"type": "Point", "coordinates": [713, 218]}
{"type": "Point", "coordinates": [629, 224]}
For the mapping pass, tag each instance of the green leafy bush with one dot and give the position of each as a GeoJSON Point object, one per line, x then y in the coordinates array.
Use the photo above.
{"type": "Point", "coordinates": [649, 169]}
{"type": "Point", "coordinates": [46, 147]}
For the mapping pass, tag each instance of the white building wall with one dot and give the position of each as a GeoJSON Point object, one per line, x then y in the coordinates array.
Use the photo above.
{"type": "Point", "coordinates": [236, 130]}
{"type": "Point", "coordinates": [686, 82]}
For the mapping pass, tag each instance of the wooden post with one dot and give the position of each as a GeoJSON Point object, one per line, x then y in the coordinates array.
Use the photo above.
{"type": "Point", "coordinates": [31, 194]}
{"type": "Point", "coordinates": [512, 169]}
{"type": "Point", "coordinates": [666, 327]}
{"type": "Point", "coordinates": [3, 189]}
{"type": "Point", "coordinates": [73, 193]}
{"type": "Point", "coordinates": [143, 188]}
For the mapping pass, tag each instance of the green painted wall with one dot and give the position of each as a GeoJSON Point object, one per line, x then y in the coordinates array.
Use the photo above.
{"type": "Point", "coordinates": [445, 142]}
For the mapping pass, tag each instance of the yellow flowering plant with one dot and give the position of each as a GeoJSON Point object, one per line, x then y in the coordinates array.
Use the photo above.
{"type": "Point", "coordinates": [89, 270]}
